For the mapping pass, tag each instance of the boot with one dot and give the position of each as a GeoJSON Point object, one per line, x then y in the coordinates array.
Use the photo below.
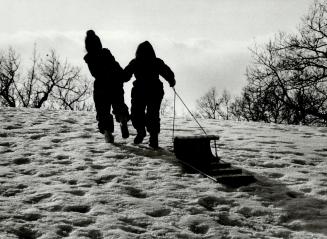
{"type": "Point", "coordinates": [139, 137]}
{"type": "Point", "coordinates": [124, 129]}
{"type": "Point", "coordinates": [109, 138]}
{"type": "Point", "coordinates": [153, 142]}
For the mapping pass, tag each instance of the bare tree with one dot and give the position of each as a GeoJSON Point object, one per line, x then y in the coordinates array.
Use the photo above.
{"type": "Point", "coordinates": [86, 105]}
{"type": "Point", "coordinates": [48, 83]}
{"type": "Point", "coordinates": [288, 76]}
{"type": "Point", "coordinates": [166, 107]}
{"type": "Point", "coordinates": [73, 93]}
{"type": "Point", "coordinates": [61, 84]}
{"type": "Point", "coordinates": [237, 109]}
{"type": "Point", "coordinates": [209, 104]}
{"type": "Point", "coordinates": [25, 87]}
{"type": "Point", "coordinates": [224, 109]}
{"type": "Point", "coordinates": [9, 76]}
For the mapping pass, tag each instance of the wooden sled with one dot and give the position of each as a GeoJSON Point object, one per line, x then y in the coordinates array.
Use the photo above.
{"type": "Point", "coordinates": [195, 153]}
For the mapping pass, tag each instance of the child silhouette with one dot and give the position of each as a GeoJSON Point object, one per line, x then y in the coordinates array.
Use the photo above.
{"type": "Point", "coordinates": [147, 92]}
{"type": "Point", "coordinates": [108, 87]}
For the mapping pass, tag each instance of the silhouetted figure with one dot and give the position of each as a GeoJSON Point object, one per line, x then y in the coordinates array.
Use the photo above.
{"type": "Point", "coordinates": [108, 87]}
{"type": "Point", "coordinates": [147, 92]}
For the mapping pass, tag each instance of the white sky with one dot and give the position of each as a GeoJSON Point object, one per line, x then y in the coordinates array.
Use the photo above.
{"type": "Point", "coordinates": [204, 42]}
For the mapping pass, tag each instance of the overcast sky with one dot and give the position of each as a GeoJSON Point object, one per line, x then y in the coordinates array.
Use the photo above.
{"type": "Point", "coordinates": [205, 42]}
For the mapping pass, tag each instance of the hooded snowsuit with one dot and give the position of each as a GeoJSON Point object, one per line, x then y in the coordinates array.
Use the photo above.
{"type": "Point", "coordinates": [147, 91]}
{"type": "Point", "coordinates": [108, 88]}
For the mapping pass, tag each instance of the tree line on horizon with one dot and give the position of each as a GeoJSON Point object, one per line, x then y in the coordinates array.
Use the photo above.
{"type": "Point", "coordinates": [48, 82]}
{"type": "Point", "coordinates": [286, 80]}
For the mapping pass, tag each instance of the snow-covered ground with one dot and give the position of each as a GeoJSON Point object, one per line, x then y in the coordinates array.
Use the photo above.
{"type": "Point", "coordinates": [58, 178]}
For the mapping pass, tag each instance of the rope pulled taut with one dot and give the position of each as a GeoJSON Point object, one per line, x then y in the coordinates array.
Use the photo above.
{"type": "Point", "coordinates": [174, 115]}
{"type": "Point", "coordinates": [175, 94]}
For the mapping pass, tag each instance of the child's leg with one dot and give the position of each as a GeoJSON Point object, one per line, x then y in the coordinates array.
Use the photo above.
{"type": "Point", "coordinates": [153, 118]}
{"type": "Point", "coordinates": [138, 114]}
{"type": "Point", "coordinates": [122, 116]}
{"type": "Point", "coordinates": [103, 116]}
{"type": "Point", "coordinates": [153, 114]}
{"type": "Point", "coordinates": [138, 110]}
{"type": "Point", "coordinates": [120, 110]}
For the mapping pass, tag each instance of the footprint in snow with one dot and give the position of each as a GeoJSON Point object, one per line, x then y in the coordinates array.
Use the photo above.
{"type": "Point", "coordinates": [132, 229]}
{"type": "Point", "coordinates": [83, 221]}
{"type": "Point", "coordinates": [56, 140]}
{"type": "Point", "coordinates": [96, 151]}
{"type": "Point", "coordinates": [76, 192]}
{"type": "Point", "coordinates": [276, 175]}
{"type": "Point", "coordinates": [45, 174]}
{"type": "Point", "coordinates": [97, 166]}
{"type": "Point", "coordinates": [299, 161]}
{"type": "Point", "coordinates": [44, 153]}
{"type": "Point", "coordinates": [292, 147]}
{"type": "Point", "coordinates": [136, 222]}
{"type": "Point", "coordinates": [158, 212]}
{"type": "Point", "coordinates": [88, 233]}
{"type": "Point", "coordinates": [9, 191]}
{"type": "Point", "coordinates": [102, 179]}
{"type": "Point", "coordinates": [37, 197]}
{"type": "Point", "coordinates": [199, 228]}
{"type": "Point", "coordinates": [322, 192]}
{"type": "Point", "coordinates": [135, 192]}
{"type": "Point", "coordinates": [80, 168]}
{"type": "Point", "coordinates": [85, 136]}
{"type": "Point", "coordinates": [37, 136]}
{"type": "Point", "coordinates": [63, 230]}
{"type": "Point", "coordinates": [5, 144]}
{"type": "Point", "coordinates": [24, 232]}
{"type": "Point", "coordinates": [3, 135]}
{"type": "Point", "coordinates": [306, 190]}
{"type": "Point", "coordinates": [70, 121]}
{"type": "Point", "coordinates": [29, 215]}
{"type": "Point", "coordinates": [292, 194]}
{"type": "Point", "coordinates": [21, 160]}
{"type": "Point", "coordinates": [8, 150]}
{"type": "Point", "coordinates": [209, 202]}
{"type": "Point", "coordinates": [27, 171]}
{"type": "Point", "coordinates": [63, 162]}
{"type": "Point", "coordinates": [60, 156]}
{"type": "Point", "coordinates": [77, 208]}
{"type": "Point", "coordinates": [47, 147]}
{"type": "Point", "coordinates": [64, 130]}
{"type": "Point", "coordinates": [197, 224]}
{"type": "Point", "coordinates": [70, 181]}
{"type": "Point", "coordinates": [15, 126]}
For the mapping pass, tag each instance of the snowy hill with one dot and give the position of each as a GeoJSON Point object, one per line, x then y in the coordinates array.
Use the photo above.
{"type": "Point", "coordinates": [58, 178]}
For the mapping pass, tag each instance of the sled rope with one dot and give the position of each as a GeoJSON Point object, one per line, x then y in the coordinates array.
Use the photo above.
{"type": "Point", "coordinates": [174, 115]}
{"type": "Point", "coordinates": [175, 94]}
{"type": "Point", "coordinates": [199, 171]}
{"type": "Point", "coordinates": [216, 154]}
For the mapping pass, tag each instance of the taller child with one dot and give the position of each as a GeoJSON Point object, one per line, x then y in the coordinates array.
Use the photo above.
{"type": "Point", "coordinates": [147, 91]}
{"type": "Point", "coordinates": [108, 87]}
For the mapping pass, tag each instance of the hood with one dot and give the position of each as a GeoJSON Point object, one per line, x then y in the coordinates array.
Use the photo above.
{"type": "Point", "coordinates": [145, 51]}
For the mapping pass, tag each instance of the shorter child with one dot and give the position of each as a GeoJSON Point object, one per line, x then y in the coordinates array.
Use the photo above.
{"type": "Point", "coordinates": [108, 87]}
{"type": "Point", "coordinates": [147, 92]}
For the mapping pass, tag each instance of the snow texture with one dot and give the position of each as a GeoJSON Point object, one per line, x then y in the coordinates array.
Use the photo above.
{"type": "Point", "coordinates": [59, 179]}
